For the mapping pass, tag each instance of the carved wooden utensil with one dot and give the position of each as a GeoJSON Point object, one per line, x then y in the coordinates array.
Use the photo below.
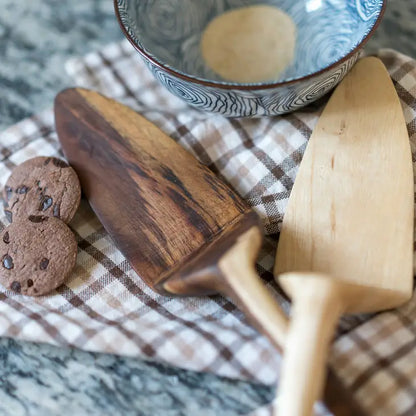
{"type": "Point", "coordinates": [182, 229]}
{"type": "Point", "coordinates": [346, 240]}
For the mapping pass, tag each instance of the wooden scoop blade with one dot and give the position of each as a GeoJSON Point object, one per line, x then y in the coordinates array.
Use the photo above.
{"type": "Point", "coordinates": [350, 213]}
{"type": "Point", "coordinates": [155, 199]}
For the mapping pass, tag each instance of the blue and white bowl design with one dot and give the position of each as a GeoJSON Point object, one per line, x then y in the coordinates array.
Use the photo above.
{"type": "Point", "coordinates": [330, 34]}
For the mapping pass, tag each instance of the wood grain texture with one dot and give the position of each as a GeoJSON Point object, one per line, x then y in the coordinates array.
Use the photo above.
{"type": "Point", "coordinates": [346, 244]}
{"type": "Point", "coordinates": [182, 229]}
{"type": "Point", "coordinates": [153, 197]}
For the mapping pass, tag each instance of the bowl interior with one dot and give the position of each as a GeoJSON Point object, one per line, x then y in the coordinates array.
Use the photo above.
{"type": "Point", "coordinates": [170, 31]}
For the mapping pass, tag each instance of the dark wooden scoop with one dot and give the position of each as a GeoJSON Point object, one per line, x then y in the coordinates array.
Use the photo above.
{"type": "Point", "coordinates": [181, 228]}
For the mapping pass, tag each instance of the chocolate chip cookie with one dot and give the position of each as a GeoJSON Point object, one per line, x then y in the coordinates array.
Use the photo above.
{"type": "Point", "coordinates": [42, 186]}
{"type": "Point", "coordinates": [37, 254]}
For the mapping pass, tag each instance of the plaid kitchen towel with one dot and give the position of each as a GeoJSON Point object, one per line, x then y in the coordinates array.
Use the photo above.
{"type": "Point", "coordinates": [105, 306]}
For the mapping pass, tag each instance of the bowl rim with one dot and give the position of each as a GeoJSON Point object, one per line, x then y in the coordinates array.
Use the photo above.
{"type": "Point", "coordinates": [245, 86]}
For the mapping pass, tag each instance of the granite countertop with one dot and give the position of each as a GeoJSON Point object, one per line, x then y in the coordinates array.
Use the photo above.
{"type": "Point", "coordinates": [36, 38]}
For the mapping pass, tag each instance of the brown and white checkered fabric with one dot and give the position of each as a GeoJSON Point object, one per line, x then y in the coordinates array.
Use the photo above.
{"type": "Point", "coordinates": [105, 306]}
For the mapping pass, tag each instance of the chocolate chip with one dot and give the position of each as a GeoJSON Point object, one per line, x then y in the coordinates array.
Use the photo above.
{"type": "Point", "coordinates": [47, 161]}
{"type": "Point", "coordinates": [9, 192]}
{"type": "Point", "coordinates": [16, 286]}
{"type": "Point", "coordinates": [22, 189]}
{"type": "Point", "coordinates": [57, 210]}
{"type": "Point", "coordinates": [9, 215]}
{"type": "Point", "coordinates": [44, 263]}
{"type": "Point", "coordinates": [37, 218]}
{"type": "Point", "coordinates": [29, 282]}
{"type": "Point", "coordinates": [7, 262]}
{"type": "Point", "coordinates": [45, 203]}
{"type": "Point", "coordinates": [6, 237]}
{"type": "Point", "coordinates": [60, 163]}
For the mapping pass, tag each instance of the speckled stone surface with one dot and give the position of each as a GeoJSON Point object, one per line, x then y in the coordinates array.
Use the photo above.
{"type": "Point", "coordinates": [46, 381]}
{"type": "Point", "coordinates": [36, 38]}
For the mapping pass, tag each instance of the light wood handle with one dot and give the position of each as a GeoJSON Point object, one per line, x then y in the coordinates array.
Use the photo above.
{"type": "Point", "coordinates": [227, 266]}
{"type": "Point", "coordinates": [315, 312]}
{"type": "Point", "coordinates": [244, 287]}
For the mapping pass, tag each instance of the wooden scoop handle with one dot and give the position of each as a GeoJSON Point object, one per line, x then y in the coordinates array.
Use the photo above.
{"type": "Point", "coordinates": [243, 285]}
{"type": "Point", "coordinates": [318, 302]}
{"type": "Point", "coordinates": [227, 267]}
{"type": "Point", "coordinates": [314, 315]}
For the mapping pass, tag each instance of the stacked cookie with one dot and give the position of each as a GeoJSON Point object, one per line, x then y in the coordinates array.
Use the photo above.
{"type": "Point", "coordinates": [38, 250]}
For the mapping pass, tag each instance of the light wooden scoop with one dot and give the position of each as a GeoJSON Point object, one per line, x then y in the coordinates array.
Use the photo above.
{"type": "Point", "coordinates": [346, 241]}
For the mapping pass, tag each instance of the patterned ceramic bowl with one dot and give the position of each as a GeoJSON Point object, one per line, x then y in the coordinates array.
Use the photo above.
{"type": "Point", "coordinates": [330, 34]}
